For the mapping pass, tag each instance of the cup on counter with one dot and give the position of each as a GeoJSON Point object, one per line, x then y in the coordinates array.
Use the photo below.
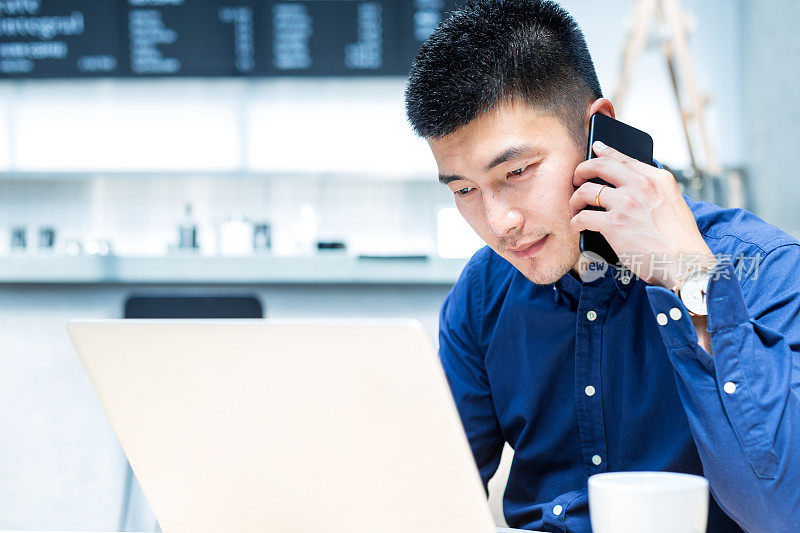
{"type": "Point", "coordinates": [236, 237]}
{"type": "Point", "coordinates": [19, 238]}
{"type": "Point", "coordinates": [262, 238]}
{"type": "Point", "coordinates": [648, 502]}
{"type": "Point", "coordinates": [47, 238]}
{"type": "Point", "coordinates": [97, 247]}
{"type": "Point", "coordinates": [73, 247]}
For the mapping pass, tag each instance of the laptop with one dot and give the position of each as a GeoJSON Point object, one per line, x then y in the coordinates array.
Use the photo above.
{"type": "Point", "coordinates": [286, 425]}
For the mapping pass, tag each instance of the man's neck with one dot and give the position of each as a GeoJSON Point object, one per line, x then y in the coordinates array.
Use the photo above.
{"type": "Point", "coordinates": [580, 266]}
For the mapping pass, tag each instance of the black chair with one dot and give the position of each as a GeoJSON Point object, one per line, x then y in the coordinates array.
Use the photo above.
{"type": "Point", "coordinates": [201, 306]}
{"type": "Point", "coordinates": [180, 306]}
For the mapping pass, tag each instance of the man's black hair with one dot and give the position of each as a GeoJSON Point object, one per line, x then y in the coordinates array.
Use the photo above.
{"type": "Point", "coordinates": [491, 51]}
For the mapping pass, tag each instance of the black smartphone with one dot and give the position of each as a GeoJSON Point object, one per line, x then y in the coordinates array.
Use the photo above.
{"type": "Point", "coordinates": [631, 142]}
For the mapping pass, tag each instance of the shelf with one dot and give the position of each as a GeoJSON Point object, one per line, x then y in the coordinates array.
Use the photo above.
{"type": "Point", "coordinates": [81, 175]}
{"type": "Point", "coordinates": [332, 268]}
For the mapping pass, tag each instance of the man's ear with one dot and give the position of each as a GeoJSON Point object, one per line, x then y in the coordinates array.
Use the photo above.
{"type": "Point", "coordinates": [601, 105]}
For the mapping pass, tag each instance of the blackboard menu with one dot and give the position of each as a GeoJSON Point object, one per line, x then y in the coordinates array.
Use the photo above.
{"type": "Point", "coordinates": [165, 38]}
{"type": "Point", "coordinates": [57, 38]}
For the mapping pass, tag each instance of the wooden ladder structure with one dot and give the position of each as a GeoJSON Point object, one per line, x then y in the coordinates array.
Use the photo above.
{"type": "Point", "coordinates": [664, 23]}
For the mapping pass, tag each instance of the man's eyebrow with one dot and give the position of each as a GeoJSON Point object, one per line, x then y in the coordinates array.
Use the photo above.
{"type": "Point", "coordinates": [509, 154]}
{"type": "Point", "coordinates": [512, 153]}
{"type": "Point", "coordinates": [447, 179]}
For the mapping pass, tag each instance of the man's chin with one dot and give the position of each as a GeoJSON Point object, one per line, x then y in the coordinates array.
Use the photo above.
{"type": "Point", "coordinates": [542, 272]}
{"type": "Point", "coordinates": [544, 276]}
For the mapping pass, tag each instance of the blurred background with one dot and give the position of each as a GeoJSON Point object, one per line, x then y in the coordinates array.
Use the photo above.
{"type": "Point", "coordinates": [257, 151]}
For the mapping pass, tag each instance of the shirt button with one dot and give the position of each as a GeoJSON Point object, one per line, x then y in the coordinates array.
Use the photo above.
{"type": "Point", "coordinates": [589, 390]}
{"type": "Point", "coordinates": [625, 280]}
{"type": "Point", "coordinates": [662, 319]}
{"type": "Point", "coordinates": [591, 315]}
{"type": "Point", "coordinates": [557, 510]}
{"type": "Point", "coordinates": [675, 313]}
{"type": "Point", "coordinates": [729, 387]}
{"type": "Point", "coordinates": [596, 459]}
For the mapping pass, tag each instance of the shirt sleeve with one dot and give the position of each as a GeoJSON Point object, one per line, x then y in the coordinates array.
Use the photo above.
{"type": "Point", "coordinates": [463, 362]}
{"type": "Point", "coordinates": [743, 404]}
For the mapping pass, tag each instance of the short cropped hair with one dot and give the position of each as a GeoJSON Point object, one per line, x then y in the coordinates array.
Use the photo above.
{"type": "Point", "coordinates": [492, 51]}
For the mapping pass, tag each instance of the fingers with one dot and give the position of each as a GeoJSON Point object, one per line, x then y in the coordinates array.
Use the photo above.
{"type": "Point", "coordinates": [586, 219]}
{"type": "Point", "coordinates": [600, 149]}
{"type": "Point", "coordinates": [612, 166]}
{"type": "Point", "coordinates": [587, 195]}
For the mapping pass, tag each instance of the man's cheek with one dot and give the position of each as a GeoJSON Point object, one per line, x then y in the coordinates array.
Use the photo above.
{"type": "Point", "coordinates": [466, 214]}
{"type": "Point", "coordinates": [476, 220]}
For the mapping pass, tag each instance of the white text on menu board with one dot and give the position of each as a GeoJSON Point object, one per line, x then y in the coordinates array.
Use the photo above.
{"type": "Point", "coordinates": [40, 37]}
{"type": "Point", "coordinates": [293, 26]}
{"type": "Point", "coordinates": [147, 32]}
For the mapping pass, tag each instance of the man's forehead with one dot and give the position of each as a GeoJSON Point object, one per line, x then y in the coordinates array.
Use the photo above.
{"type": "Point", "coordinates": [499, 130]}
{"type": "Point", "coordinates": [512, 113]}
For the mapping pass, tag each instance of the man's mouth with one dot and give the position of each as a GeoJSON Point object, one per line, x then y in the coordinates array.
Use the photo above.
{"type": "Point", "coordinates": [530, 249]}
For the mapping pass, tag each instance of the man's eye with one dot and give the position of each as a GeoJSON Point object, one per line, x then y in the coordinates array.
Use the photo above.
{"type": "Point", "coordinates": [465, 190]}
{"type": "Point", "coordinates": [518, 171]}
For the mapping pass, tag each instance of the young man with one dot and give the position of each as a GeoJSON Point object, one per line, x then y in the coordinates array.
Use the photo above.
{"type": "Point", "coordinates": [614, 373]}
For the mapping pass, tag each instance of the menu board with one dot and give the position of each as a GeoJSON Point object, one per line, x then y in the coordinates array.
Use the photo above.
{"type": "Point", "coordinates": [190, 37]}
{"type": "Point", "coordinates": [58, 38]}
{"type": "Point", "coordinates": [166, 38]}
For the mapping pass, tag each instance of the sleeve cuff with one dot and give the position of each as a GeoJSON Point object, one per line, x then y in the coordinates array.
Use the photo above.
{"type": "Point", "coordinates": [726, 307]}
{"type": "Point", "coordinates": [674, 321]}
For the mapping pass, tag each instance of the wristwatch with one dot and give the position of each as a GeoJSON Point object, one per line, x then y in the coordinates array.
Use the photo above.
{"type": "Point", "coordinates": [692, 289]}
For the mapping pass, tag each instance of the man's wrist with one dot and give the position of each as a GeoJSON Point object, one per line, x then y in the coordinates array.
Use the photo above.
{"type": "Point", "coordinates": [686, 265]}
{"type": "Point", "coordinates": [700, 323]}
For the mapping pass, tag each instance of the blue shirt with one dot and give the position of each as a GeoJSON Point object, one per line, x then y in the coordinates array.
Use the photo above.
{"type": "Point", "coordinates": [582, 378]}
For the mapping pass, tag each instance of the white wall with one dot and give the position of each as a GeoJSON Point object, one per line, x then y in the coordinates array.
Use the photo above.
{"type": "Point", "coordinates": [216, 125]}
{"type": "Point", "coordinates": [771, 108]}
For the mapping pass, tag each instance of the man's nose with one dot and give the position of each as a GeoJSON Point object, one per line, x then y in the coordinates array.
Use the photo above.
{"type": "Point", "coordinates": [502, 218]}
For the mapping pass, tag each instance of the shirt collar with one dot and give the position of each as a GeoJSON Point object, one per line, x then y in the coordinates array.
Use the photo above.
{"type": "Point", "coordinates": [624, 280]}
{"type": "Point", "coordinates": [571, 286]}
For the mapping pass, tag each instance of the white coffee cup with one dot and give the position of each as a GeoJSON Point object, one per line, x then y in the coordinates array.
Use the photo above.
{"type": "Point", "coordinates": [648, 502]}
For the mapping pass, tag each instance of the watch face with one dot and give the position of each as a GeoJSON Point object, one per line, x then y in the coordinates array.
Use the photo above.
{"type": "Point", "coordinates": [693, 293]}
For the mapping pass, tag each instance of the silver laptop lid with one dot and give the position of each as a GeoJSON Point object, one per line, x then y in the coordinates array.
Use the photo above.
{"type": "Point", "coordinates": [286, 426]}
